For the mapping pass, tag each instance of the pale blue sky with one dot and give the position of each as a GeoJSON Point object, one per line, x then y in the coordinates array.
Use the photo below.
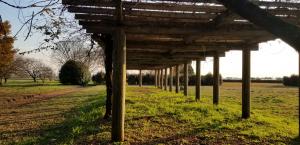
{"type": "Point", "coordinates": [274, 58]}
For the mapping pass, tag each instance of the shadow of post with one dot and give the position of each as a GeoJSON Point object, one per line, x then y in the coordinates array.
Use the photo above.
{"type": "Point", "coordinates": [295, 141]}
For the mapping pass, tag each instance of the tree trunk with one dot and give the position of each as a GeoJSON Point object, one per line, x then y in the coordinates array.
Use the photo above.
{"type": "Point", "coordinates": [287, 32]}
{"type": "Point", "coordinates": [34, 79]}
{"type": "Point", "coordinates": [5, 80]}
{"type": "Point", "coordinates": [108, 50]}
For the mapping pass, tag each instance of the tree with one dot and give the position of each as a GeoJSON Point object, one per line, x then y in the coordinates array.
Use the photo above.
{"type": "Point", "coordinates": [181, 70]}
{"type": "Point", "coordinates": [10, 69]}
{"type": "Point", "coordinates": [98, 78]}
{"type": "Point", "coordinates": [106, 41]}
{"type": "Point", "coordinates": [79, 49]}
{"type": "Point", "coordinates": [6, 49]}
{"type": "Point", "coordinates": [33, 68]}
{"type": "Point", "coordinates": [293, 80]}
{"type": "Point", "coordinates": [46, 73]}
{"type": "Point", "coordinates": [74, 73]}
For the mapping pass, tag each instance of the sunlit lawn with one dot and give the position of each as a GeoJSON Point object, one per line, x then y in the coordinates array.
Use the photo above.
{"type": "Point", "coordinates": [154, 116]}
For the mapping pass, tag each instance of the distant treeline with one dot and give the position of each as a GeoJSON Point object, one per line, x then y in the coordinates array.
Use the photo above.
{"type": "Point", "coordinates": [255, 81]}
{"type": "Point", "coordinates": [206, 80]}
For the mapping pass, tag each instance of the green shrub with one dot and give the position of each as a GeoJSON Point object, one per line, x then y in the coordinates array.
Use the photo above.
{"type": "Point", "coordinates": [74, 73]}
{"type": "Point", "coordinates": [293, 80]}
{"type": "Point", "coordinates": [98, 78]}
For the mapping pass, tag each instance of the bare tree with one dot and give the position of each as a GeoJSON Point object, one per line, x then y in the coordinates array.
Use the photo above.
{"type": "Point", "coordinates": [33, 68]}
{"type": "Point", "coordinates": [46, 73]}
{"type": "Point", "coordinates": [46, 17]}
{"type": "Point", "coordinates": [80, 49]}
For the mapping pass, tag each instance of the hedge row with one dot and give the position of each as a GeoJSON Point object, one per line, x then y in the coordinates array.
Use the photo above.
{"type": "Point", "coordinates": [293, 80]}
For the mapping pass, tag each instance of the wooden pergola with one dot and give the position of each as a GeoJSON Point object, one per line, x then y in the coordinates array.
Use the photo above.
{"type": "Point", "coordinates": [161, 34]}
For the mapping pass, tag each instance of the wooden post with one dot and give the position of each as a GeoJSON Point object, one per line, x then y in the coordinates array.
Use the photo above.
{"type": "Point", "coordinates": [141, 78]}
{"type": "Point", "coordinates": [155, 78]}
{"type": "Point", "coordinates": [198, 79]}
{"type": "Point", "coordinates": [186, 79]}
{"type": "Point", "coordinates": [171, 80]}
{"type": "Point", "coordinates": [246, 79]}
{"type": "Point", "coordinates": [299, 95]}
{"type": "Point", "coordinates": [216, 86]}
{"type": "Point", "coordinates": [119, 81]}
{"type": "Point", "coordinates": [177, 79]}
{"type": "Point", "coordinates": [161, 78]}
{"type": "Point", "coordinates": [166, 79]}
{"type": "Point", "coordinates": [158, 78]}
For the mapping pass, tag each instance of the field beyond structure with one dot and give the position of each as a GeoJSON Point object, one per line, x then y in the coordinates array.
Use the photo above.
{"type": "Point", "coordinates": [54, 114]}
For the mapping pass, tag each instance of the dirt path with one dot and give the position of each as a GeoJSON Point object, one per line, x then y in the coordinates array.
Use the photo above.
{"type": "Point", "coordinates": [33, 98]}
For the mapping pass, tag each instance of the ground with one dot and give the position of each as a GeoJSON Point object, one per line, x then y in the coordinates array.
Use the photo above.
{"type": "Point", "coordinates": [54, 114]}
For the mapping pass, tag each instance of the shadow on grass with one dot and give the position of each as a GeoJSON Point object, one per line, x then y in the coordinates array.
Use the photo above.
{"type": "Point", "coordinates": [29, 84]}
{"type": "Point", "coordinates": [295, 141]}
{"type": "Point", "coordinates": [79, 124]}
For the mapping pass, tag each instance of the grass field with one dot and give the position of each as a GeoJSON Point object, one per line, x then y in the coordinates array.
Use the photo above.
{"type": "Point", "coordinates": [55, 114]}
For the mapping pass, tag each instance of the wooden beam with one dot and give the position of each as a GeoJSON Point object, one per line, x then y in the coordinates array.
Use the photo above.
{"type": "Point", "coordinates": [140, 13]}
{"type": "Point", "coordinates": [287, 32]}
{"type": "Point", "coordinates": [222, 18]}
{"type": "Point", "coordinates": [187, 39]}
{"type": "Point", "coordinates": [148, 6]}
{"type": "Point", "coordinates": [216, 86]}
{"type": "Point", "coordinates": [171, 80]}
{"type": "Point", "coordinates": [246, 81]}
{"type": "Point", "coordinates": [177, 79]}
{"type": "Point", "coordinates": [180, 46]}
{"type": "Point", "coordinates": [119, 81]}
{"type": "Point", "coordinates": [180, 5]}
{"type": "Point", "coordinates": [204, 30]}
{"type": "Point", "coordinates": [147, 66]}
{"type": "Point", "coordinates": [135, 21]}
{"type": "Point", "coordinates": [186, 79]}
{"type": "Point", "coordinates": [198, 79]}
{"type": "Point", "coordinates": [170, 55]}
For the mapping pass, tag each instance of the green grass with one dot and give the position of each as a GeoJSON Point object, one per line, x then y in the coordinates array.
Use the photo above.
{"type": "Point", "coordinates": [154, 116]}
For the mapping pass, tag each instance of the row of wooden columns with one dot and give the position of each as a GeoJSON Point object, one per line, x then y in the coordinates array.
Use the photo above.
{"type": "Point", "coordinates": [161, 78]}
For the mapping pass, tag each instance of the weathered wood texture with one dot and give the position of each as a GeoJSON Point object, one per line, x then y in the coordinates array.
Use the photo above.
{"type": "Point", "coordinates": [140, 78]}
{"type": "Point", "coordinates": [158, 78]}
{"type": "Point", "coordinates": [155, 81]}
{"type": "Point", "coordinates": [119, 81]}
{"type": "Point", "coordinates": [161, 78]}
{"type": "Point", "coordinates": [187, 23]}
{"type": "Point", "coordinates": [287, 32]}
{"type": "Point", "coordinates": [186, 79]}
{"type": "Point", "coordinates": [216, 86]}
{"type": "Point", "coordinates": [166, 79]}
{"type": "Point", "coordinates": [171, 80]}
{"type": "Point", "coordinates": [299, 92]}
{"type": "Point", "coordinates": [177, 79]}
{"type": "Point", "coordinates": [246, 81]}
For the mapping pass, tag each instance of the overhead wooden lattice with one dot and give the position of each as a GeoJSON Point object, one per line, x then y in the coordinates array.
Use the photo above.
{"type": "Point", "coordinates": [162, 33]}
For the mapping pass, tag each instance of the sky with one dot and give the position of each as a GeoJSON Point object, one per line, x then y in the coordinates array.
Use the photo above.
{"type": "Point", "coordinates": [273, 59]}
